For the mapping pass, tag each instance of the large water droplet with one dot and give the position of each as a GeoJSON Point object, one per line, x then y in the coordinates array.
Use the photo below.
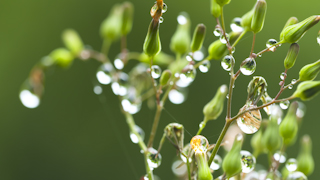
{"type": "Point", "coordinates": [284, 104]}
{"type": "Point", "coordinates": [297, 176]}
{"type": "Point", "coordinates": [153, 158]}
{"type": "Point", "coordinates": [318, 38]}
{"type": "Point", "coordinates": [134, 138]}
{"type": "Point", "coordinates": [104, 73]}
{"type": "Point", "coordinates": [248, 66]}
{"type": "Point", "coordinates": [199, 144]}
{"type": "Point", "coordinates": [291, 164]}
{"type": "Point", "coordinates": [161, 19]}
{"type": "Point", "coordinates": [164, 8]}
{"type": "Point", "coordinates": [189, 74]}
{"type": "Point", "coordinates": [270, 43]}
{"type": "Point", "coordinates": [280, 156]}
{"type": "Point", "coordinates": [198, 55]}
{"type": "Point", "coordinates": [97, 89]}
{"type": "Point", "coordinates": [250, 121]}
{"type": "Point", "coordinates": [176, 97]}
{"type": "Point", "coordinates": [182, 19]}
{"type": "Point", "coordinates": [248, 161]}
{"type": "Point", "coordinates": [118, 63]}
{"type": "Point", "coordinates": [29, 99]}
{"type": "Point", "coordinates": [216, 163]}
{"type": "Point", "coordinates": [155, 71]}
{"type": "Point", "coordinates": [236, 25]}
{"type": "Point", "coordinates": [227, 62]}
{"type": "Point", "coordinates": [223, 38]}
{"type": "Point", "coordinates": [283, 75]}
{"type": "Point", "coordinates": [179, 168]}
{"type": "Point", "coordinates": [205, 66]}
{"type": "Point", "coordinates": [217, 31]}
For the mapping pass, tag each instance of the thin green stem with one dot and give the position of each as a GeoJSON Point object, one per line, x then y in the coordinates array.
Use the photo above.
{"type": "Point", "coordinates": [239, 38]}
{"type": "Point", "coordinates": [268, 49]}
{"type": "Point", "coordinates": [253, 42]}
{"type": "Point", "coordinates": [217, 146]}
{"type": "Point", "coordinates": [105, 47]}
{"type": "Point", "coordinates": [155, 125]}
{"type": "Point", "coordinates": [148, 169]}
{"type": "Point", "coordinates": [131, 124]}
{"type": "Point", "coordinates": [202, 125]}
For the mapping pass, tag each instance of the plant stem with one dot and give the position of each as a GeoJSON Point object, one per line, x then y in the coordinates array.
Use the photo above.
{"type": "Point", "coordinates": [253, 41]}
{"type": "Point", "coordinates": [268, 49]}
{"type": "Point", "coordinates": [155, 125]}
{"type": "Point", "coordinates": [202, 125]}
{"type": "Point", "coordinates": [217, 146]}
{"type": "Point", "coordinates": [105, 47]}
{"type": "Point", "coordinates": [239, 38]}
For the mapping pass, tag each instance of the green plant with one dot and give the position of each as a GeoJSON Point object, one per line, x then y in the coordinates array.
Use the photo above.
{"type": "Point", "coordinates": [118, 25]}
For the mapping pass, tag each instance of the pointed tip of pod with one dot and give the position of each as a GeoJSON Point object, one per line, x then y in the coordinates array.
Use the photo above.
{"type": "Point", "coordinates": [198, 37]}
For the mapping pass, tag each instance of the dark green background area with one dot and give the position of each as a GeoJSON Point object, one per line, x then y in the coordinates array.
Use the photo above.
{"type": "Point", "coordinates": [75, 134]}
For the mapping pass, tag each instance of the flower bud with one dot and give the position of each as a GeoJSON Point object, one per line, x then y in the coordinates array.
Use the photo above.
{"type": "Point", "coordinates": [307, 90]}
{"type": "Point", "coordinates": [111, 27]}
{"type": "Point", "coordinates": [217, 49]}
{"type": "Point", "coordinates": [305, 159]}
{"type": "Point", "coordinates": [204, 172]}
{"type": "Point", "coordinates": [152, 44]}
{"type": "Point", "coordinates": [180, 41]}
{"type": "Point", "coordinates": [289, 126]}
{"type": "Point", "coordinates": [198, 37]}
{"type": "Point", "coordinates": [62, 57]}
{"type": "Point", "coordinates": [127, 18]}
{"type": "Point", "coordinates": [294, 33]}
{"type": "Point", "coordinates": [72, 41]}
{"type": "Point", "coordinates": [215, 9]}
{"type": "Point", "coordinates": [271, 138]}
{"type": "Point", "coordinates": [232, 161]}
{"type": "Point", "coordinates": [309, 71]}
{"type": "Point", "coordinates": [166, 75]}
{"type": "Point", "coordinates": [223, 2]}
{"type": "Point", "coordinates": [175, 132]}
{"type": "Point", "coordinates": [291, 21]}
{"type": "Point", "coordinates": [246, 20]}
{"type": "Point", "coordinates": [214, 108]}
{"type": "Point", "coordinates": [291, 55]}
{"type": "Point", "coordinates": [259, 15]}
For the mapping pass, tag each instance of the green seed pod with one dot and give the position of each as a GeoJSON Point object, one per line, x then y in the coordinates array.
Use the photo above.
{"type": "Point", "coordinates": [271, 138]}
{"type": "Point", "coordinates": [161, 59]}
{"type": "Point", "coordinates": [223, 2]}
{"type": "Point", "coordinates": [180, 41]}
{"type": "Point", "coordinates": [217, 49]}
{"type": "Point", "coordinates": [256, 141]}
{"type": "Point", "coordinates": [307, 90]}
{"type": "Point", "coordinates": [214, 108]}
{"type": "Point", "coordinates": [305, 159]}
{"type": "Point", "coordinates": [289, 126]}
{"type": "Point", "coordinates": [198, 37]}
{"type": "Point", "coordinates": [291, 21]}
{"type": "Point", "coordinates": [110, 28]}
{"type": "Point", "coordinates": [204, 172]}
{"type": "Point", "coordinates": [152, 44]}
{"type": "Point", "coordinates": [62, 57]}
{"type": "Point", "coordinates": [215, 9]}
{"type": "Point", "coordinates": [127, 18]}
{"type": "Point", "coordinates": [232, 161]}
{"type": "Point", "coordinates": [291, 55]}
{"type": "Point", "coordinates": [246, 20]}
{"type": "Point", "coordinates": [166, 75]}
{"type": "Point", "coordinates": [259, 14]}
{"type": "Point", "coordinates": [72, 41]}
{"type": "Point", "coordinates": [309, 71]}
{"type": "Point", "coordinates": [175, 132]}
{"type": "Point", "coordinates": [294, 33]}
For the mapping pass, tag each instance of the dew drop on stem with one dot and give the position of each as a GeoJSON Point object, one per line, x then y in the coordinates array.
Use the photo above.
{"type": "Point", "coordinates": [155, 71]}
{"type": "Point", "coordinates": [291, 164]}
{"type": "Point", "coordinates": [134, 138]}
{"type": "Point", "coordinates": [227, 62]}
{"type": "Point", "coordinates": [205, 66]}
{"type": "Point", "coordinates": [270, 43]}
{"type": "Point", "coordinates": [248, 161]}
{"type": "Point", "coordinates": [248, 66]}
{"type": "Point", "coordinates": [236, 25]}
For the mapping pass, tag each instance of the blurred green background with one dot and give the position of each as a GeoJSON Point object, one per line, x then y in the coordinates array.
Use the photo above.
{"type": "Point", "coordinates": [75, 135]}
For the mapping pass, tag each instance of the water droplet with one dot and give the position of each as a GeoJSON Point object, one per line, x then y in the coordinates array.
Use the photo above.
{"type": "Point", "coordinates": [227, 62]}
{"type": "Point", "coordinates": [227, 96]}
{"type": "Point", "coordinates": [221, 177]}
{"type": "Point", "coordinates": [248, 66]}
{"type": "Point", "coordinates": [205, 66]}
{"type": "Point", "coordinates": [104, 73]}
{"type": "Point", "coordinates": [118, 63]}
{"type": "Point", "coordinates": [161, 20]}
{"type": "Point", "coordinates": [189, 58]}
{"type": "Point", "coordinates": [120, 87]}
{"type": "Point", "coordinates": [291, 164]}
{"type": "Point", "coordinates": [199, 144]}
{"type": "Point", "coordinates": [248, 161]}
{"type": "Point", "coordinates": [301, 110]}
{"type": "Point", "coordinates": [153, 10]}
{"type": "Point", "coordinates": [30, 94]}
{"type": "Point", "coordinates": [145, 177]}
{"type": "Point", "coordinates": [250, 121]}
{"type": "Point", "coordinates": [283, 75]}
{"type": "Point", "coordinates": [297, 176]}
{"type": "Point", "coordinates": [293, 81]}
{"type": "Point", "coordinates": [179, 168]}
{"type": "Point", "coordinates": [270, 44]}
{"type": "Point", "coordinates": [318, 38]}
{"type": "Point", "coordinates": [284, 104]}
{"type": "Point", "coordinates": [260, 55]}
{"type": "Point", "coordinates": [217, 31]}
{"type": "Point", "coordinates": [216, 163]}
{"type": "Point", "coordinates": [279, 158]}
{"type": "Point", "coordinates": [186, 150]}
{"type": "Point", "coordinates": [97, 89]}
{"type": "Point", "coordinates": [153, 158]}
{"type": "Point", "coordinates": [189, 75]}
{"type": "Point", "coordinates": [182, 19]}
{"type": "Point", "coordinates": [176, 97]}
{"type": "Point", "coordinates": [223, 39]}
{"type": "Point", "coordinates": [155, 71]}
{"type": "Point", "coordinates": [130, 107]}
{"type": "Point", "coordinates": [134, 138]}
{"type": "Point", "coordinates": [164, 8]}
{"type": "Point", "coordinates": [290, 86]}
{"type": "Point", "coordinates": [198, 55]}
{"type": "Point", "coordinates": [233, 50]}
{"type": "Point", "coordinates": [236, 25]}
